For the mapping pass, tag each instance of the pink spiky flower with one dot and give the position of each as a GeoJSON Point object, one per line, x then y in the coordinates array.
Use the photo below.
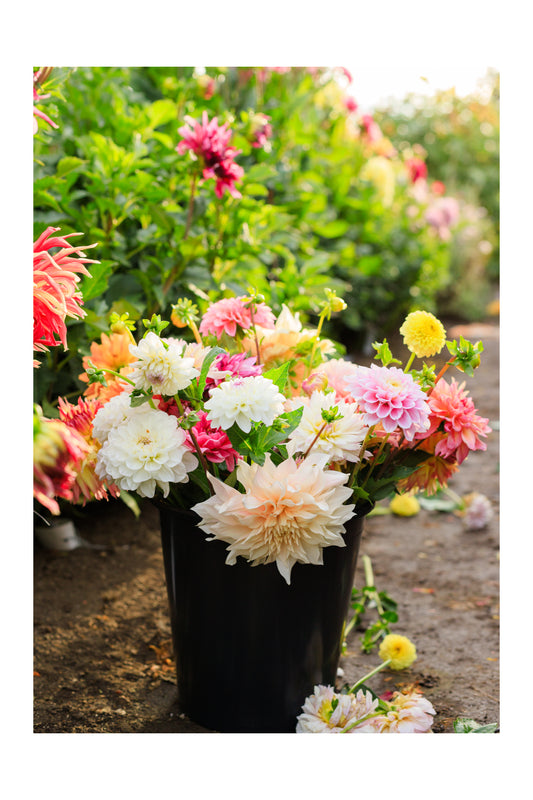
{"type": "Point", "coordinates": [55, 279]}
{"type": "Point", "coordinates": [391, 397]}
{"type": "Point", "coordinates": [233, 313]}
{"type": "Point", "coordinates": [209, 142]}
{"type": "Point", "coordinates": [87, 485]}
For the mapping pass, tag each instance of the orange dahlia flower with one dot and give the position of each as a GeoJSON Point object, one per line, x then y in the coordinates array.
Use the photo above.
{"type": "Point", "coordinates": [111, 353]}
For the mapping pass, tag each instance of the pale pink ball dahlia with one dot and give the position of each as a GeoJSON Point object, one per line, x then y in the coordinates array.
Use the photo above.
{"type": "Point", "coordinates": [391, 397]}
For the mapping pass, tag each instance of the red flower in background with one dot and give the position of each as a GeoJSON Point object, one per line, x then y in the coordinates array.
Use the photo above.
{"type": "Point", "coordinates": [417, 169]}
{"type": "Point", "coordinates": [209, 142]}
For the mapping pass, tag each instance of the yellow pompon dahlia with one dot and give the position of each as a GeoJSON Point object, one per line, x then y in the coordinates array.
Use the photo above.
{"type": "Point", "coordinates": [404, 505]}
{"type": "Point", "coordinates": [399, 649]}
{"type": "Point", "coordinates": [423, 334]}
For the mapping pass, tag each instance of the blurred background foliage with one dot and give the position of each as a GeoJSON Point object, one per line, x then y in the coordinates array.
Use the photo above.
{"type": "Point", "coordinates": [330, 198]}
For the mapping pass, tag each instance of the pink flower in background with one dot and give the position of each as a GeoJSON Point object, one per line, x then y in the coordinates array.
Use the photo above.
{"type": "Point", "coordinates": [350, 104]}
{"type": "Point", "coordinates": [442, 215]}
{"type": "Point", "coordinates": [213, 443]}
{"type": "Point", "coordinates": [416, 169]}
{"type": "Point", "coordinates": [371, 129]}
{"type": "Point", "coordinates": [336, 371]}
{"type": "Point", "coordinates": [231, 313]}
{"type": "Point", "coordinates": [55, 280]}
{"type": "Point", "coordinates": [437, 187]}
{"type": "Point", "coordinates": [38, 98]}
{"type": "Point", "coordinates": [261, 130]}
{"type": "Point", "coordinates": [391, 397]}
{"type": "Point", "coordinates": [347, 74]}
{"type": "Point", "coordinates": [209, 141]}
{"type": "Point", "coordinates": [449, 403]}
{"type": "Point", "coordinates": [478, 512]}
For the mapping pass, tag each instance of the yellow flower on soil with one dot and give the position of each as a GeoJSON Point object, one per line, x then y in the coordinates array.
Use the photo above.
{"type": "Point", "coordinates": [404, 505]}
{"type": "Point", "coordinates": [423, 334]}
{"type": "Point", "coordinates": [399, 649]}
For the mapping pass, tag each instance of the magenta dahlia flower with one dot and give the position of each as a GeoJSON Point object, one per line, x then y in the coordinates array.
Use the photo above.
{"type": "Point", "coordinates": [209, 141]}
{"type": "Point", "coordinates": [239, 365]}
{"type": "Point", "coordinates": [391, 397]}
{"type": "Point", "coordinates": [231, 313]}
{"type": "Point", "coordinates": [213, 443]}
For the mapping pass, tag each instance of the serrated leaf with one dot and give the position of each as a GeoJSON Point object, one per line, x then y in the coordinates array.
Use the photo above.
{"type": "Point", "coordinates": [279, 375]}
{"type": "Point", "coordinates": [97, 283]}
{"type": "Point", "coordinates": [68, 164]}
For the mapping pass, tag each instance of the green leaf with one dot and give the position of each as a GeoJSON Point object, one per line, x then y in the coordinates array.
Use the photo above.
{"type": "Point", "coordinates": [279, 375]}
{"type": "Point", "coordinates": [208, 360]}
{"type": "Point", "coordinates": [97, 283]}
{"type": "Point", "coordinates": [332, 230]}
{"type": "Point", "coordinates": [130, 502]}
{"type": "Point", "coordinates": [69, 164]}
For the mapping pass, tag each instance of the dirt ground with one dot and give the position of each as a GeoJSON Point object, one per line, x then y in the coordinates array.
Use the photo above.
{"type": "Point", "coordinates": [102, 646]}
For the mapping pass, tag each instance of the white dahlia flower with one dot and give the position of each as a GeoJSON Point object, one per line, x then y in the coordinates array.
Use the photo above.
{"type": "Point", "coordinates": [160, 365]}
{"type": "Point", "coordinates": [339, 440]}
{"type": "Point", "coordinates": [112, 414]}
{"type": "Point", "coordinates": [408, 713]}
{"type": "Point", "coordinates": [243, 401]}
{"type": "Point", "coordinates": [144, 452]}
{"type": "Point", "coordinates": [326, 711]}
{"type": "Point", "coordinates": [287, 514]}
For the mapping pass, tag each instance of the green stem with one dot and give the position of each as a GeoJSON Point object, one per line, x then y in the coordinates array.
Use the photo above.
{"type": "Point", "coordinates": [376, 457]}
{"type": "Point", "coordinates": [357, 464]}
{"type": "Point", "coordinates": [369, 581]}
{"type": "Point", "coordinates": [408, 365]}
{"type": "Point", "coordinates": [190, 211]}
{"type": "Point", "coordinates": [369, 675]}
{"type": "Point", "coordinates": [316, 338]}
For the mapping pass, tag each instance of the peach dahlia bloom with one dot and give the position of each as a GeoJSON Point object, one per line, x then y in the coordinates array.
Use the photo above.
{"type": "Point", "coordinates": [287, 514]}
{"type": "Point", "coordinates": [113, 352]}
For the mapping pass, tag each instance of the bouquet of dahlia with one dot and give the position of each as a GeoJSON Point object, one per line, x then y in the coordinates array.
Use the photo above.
{"type": "Point", "coordinates": [261, 428]}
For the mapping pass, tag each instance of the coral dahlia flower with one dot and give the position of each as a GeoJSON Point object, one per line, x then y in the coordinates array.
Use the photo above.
{"type": "Point", "coordinates": [55, 280]}
{"type": "Point", "coordinates": [391, 397]}
{"type": "Point", "coordinates": [432, 473]}
{"type": "Point", "coordinates": [287, 514]}
{"type": "Point", "coordinates": [80, 417]}
{"type": "Point", "coordinates": [327, 711]}
{"type": "Point", "coordinates": [449, 403]}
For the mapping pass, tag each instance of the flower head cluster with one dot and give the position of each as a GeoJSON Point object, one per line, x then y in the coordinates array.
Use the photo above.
{"type": "Point", "coordinates": [58, 452]}
{"type": "Point", "coordinates": [450, 404]}
{"type": "Point", "coordinates": [55, 287]}
{"type": "Point", "coordinates": [423, 334]}
{"type": "Point", "coordinates": [327, 711]}
{"type": "Point", "coordinates": [235, 314]}
{"type": "Point", "coordinates": [244, 400]}
{"type": "Point", "coordinates": [145, 452]}
{"type": "Point", "coordinates": [329, 426]}
{"type": "Point", "coordinates": [80, 417]}
{"type": "Point", "coordinates": [408, 713]}
{"type": "Point", "coordinates": [209, 142]}
{"type": "Point", "coordinates": [398, 650]}
{"type": "Point", "coordinates": [391, 397]}
{"type": "Point", "coordinates": [288, 513]}
{"type": "Point", "coordinates": [160, 365]}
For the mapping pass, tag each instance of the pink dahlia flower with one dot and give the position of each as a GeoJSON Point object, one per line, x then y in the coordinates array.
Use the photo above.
{"type": "Point", "coordinates": [236, 366]}
{"type": "Point", "coordinates": [416, 169]}
{"type": "Point", "coordinates": [38, 98]}
{"type": "Point", "coordinates": [371, 129]}
{"type": "Point", "coordinates": [213, 443]}
{"type": "Point", "coordinates": [449, 403]}
{"type": "Point", "coordinates": [232, 313]}
{"type": "Point", "coordinates": [209, 142]}
{"type": "Point", "coordinates": [442, 215]}
{"type": "Point", "coordinates": [391, 397]}
{"type": "Point", "coordinates": [58, 452]}
{"type": "Point", "coordinates": [55, 279]}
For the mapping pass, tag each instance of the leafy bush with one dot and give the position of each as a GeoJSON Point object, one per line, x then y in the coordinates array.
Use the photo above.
{"type": "Point", "coordinates": [314, 211]}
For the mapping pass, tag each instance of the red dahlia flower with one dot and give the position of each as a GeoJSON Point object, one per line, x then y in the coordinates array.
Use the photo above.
{"type": "Point", "coordinates": [54, 288]}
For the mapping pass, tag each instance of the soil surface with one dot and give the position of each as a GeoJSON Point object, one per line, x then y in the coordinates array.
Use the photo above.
{"type": "Point", "coordinates": [103, 651]}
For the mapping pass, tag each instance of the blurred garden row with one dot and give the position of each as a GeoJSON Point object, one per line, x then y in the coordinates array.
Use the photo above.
{"type": "Point", "coordinates": [205, 183]}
